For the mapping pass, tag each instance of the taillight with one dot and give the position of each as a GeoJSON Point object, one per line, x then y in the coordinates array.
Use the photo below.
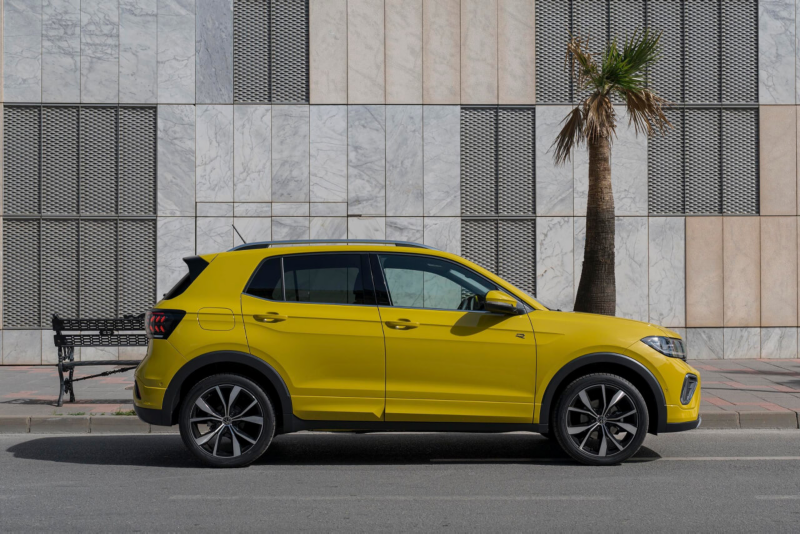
{"type": "Point", "coordinates": [159, 324]}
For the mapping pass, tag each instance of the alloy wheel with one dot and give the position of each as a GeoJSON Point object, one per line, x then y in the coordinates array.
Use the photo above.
{"type": "Point", "coordinates": [602, 420]}
{"type": "Point", "coordinates": [226, 421]}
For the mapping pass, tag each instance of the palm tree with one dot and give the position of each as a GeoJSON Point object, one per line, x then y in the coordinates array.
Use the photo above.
{"type": "Point", "coordinates": [620, 72]}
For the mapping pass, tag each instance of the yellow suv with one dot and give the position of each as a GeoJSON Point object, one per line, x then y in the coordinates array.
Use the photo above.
{"type": "Point", "coordinates": [268, 339]}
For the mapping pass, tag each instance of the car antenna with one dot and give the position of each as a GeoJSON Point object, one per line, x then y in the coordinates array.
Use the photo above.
{"type": "Point", "coordinates": [237, 233]}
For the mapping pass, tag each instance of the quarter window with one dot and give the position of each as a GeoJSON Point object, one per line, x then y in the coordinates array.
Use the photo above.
{"type": "Point", "coordinates": [267, 282]}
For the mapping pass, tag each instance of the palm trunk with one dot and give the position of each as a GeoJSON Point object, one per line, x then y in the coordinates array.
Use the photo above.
{"type": "Point", "coordinates": [597, 291]}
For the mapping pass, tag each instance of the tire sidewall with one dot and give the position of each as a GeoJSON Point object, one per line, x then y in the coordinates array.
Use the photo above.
{"type": "Point", "coordinates": [572, 390]}
{"type": "Point", "coordinates": [261, 444]}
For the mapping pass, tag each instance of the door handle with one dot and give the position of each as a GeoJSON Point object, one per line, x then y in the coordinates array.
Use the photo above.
{"type": "Point", "coordinates": [270, 318]}
{"type": "Point", "coordinates": [402, 324]}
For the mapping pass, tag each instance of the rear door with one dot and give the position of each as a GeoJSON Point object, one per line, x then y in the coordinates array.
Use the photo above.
{"type": "Point", "coordinates": [314, 318]}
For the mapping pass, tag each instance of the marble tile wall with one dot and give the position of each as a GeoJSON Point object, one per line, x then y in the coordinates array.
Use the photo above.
{"type": "Point", "coordinates": [99, 59]}
{"type": "Point", "coordinates": [214, 51]}
{"type": "Point", "coordinates": [403, 51]}
{"type": "Point", "coordinates": [138, 53]}
{"type": "Point", "coordinates": [22, 51]}
{"type": "Point", "coordinates": [479, 51]}
{"type": "Point", "coordinates": [61, 51]}
{"type": "Point", "coordinates": [328, 51]}
{"type": "Point", "coordinates": [366, 76]}
{"type": "Point", "coordinates": [176, 51]}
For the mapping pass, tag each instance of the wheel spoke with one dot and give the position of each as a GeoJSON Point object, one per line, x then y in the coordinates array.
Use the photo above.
{"type": "Point", "coordinates": [618, 396]}
{"type": "Point", "coordinates": [603, 389]}
{"type": "Point", "coordinates": [617, 417]}
{"type": "Point", "coordinates": [603, 443]}
{"type": "Point", "coordinates": [205, 438]}
{"type": "Point", "coordinates": [586, 402]}
{"type": "Point", "coordinates": [237, 449]}
{"type": "Point", "coordinates": [222, 398]}
{"type": "Point", "coordinates": [243, 435]}
{"type": "Point", "coordinates": [216, 443]}
{"type": "Point", "coordinates": [578, 410]}
{"type": "Point", "coordinates": [585, 439]}
{"type": "Point", "coordinates": [247, 409]}
{"type": "Point", "coordinates": [578, 429]}
{"type": "Point", "coordinates": [234, 393]}
{"type": "Point", "coordinates": [200, 403]}
{"type": "Point", "coordinates": [612, 439]}
{"type": "Point", "coordinates": [255, 419]}
{"type": "Point", "coordinates": [208, 418]}
{"type": "Point", "coordinates": [626, 427]}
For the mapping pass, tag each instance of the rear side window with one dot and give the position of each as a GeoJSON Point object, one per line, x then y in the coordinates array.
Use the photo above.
{"type": "Point", "coordinates": [267, 282]}
{"type": "Point", "coordinates": [328, 279]}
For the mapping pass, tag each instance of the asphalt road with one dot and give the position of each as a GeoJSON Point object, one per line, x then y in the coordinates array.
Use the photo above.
{"type": "Point", "coordinates": [702, 480]}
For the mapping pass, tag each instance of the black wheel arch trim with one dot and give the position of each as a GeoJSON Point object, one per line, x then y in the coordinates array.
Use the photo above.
{"type": "Point", "coordinates": [600, 358]}
{"type": "Point", "coordinates": [172, 395]}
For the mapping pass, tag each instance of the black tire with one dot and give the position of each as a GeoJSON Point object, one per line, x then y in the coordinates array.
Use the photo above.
{"type": "Point", "coordinates": [222, 436]}
{"type": "Point", "coordinates": [593, 434]}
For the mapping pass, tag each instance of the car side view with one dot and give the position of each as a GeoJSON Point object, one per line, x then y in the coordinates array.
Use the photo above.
{"type": "Point", "coordinates": [267, 339]}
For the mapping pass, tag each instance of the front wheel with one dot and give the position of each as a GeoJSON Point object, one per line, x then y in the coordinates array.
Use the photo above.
{"type": "Point", "coordinates": [227, 421]}
{"type": "Point", "coordinates": [601, 419]}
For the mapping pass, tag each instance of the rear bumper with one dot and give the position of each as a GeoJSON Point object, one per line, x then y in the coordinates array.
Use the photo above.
{"type": "Point", "coordinates": [680, 427]}
{"type": "Point", "coordinates": [153, 416]}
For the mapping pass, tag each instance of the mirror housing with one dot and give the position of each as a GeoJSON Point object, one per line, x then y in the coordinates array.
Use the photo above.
{"type": "Point", "coordinates": [499, 302]}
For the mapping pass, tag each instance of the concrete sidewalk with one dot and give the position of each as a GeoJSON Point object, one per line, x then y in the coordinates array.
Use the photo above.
{"type": "Point", "coordinates": [736, 394]}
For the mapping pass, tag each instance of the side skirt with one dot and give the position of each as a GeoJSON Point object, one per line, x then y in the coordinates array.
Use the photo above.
{"type": "Point", "coordinates": [298, 425]}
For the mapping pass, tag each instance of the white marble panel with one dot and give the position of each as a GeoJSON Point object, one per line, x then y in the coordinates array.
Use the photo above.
{"type": "Point", "coordinates": [554, 184]}
{"type": "Point", "coordinates": [175, 241]}
{"type": "Point", "coordinates": [704, 343]}
{"type": "Point", "coordinates": [214, 209]}
{"type": "Point", "coordinates": [366, 160]}
{"type": "Point", "coordinates": [253, 229]}
{"type": "Point", "coordinates": [667, 275]}
{"type": "Point", "coordinates": [366, 78]}
{"type": "Point", "coordinates": [403, 51]}
{"type": "Point", "coordinates": [779, 343]}
{"type": "Point", "coordinates": [328, 154]}
{"type": "Point", "coordinates": [404, 176]}
{"type": "Point", "coordinates": [22, 347]}
{"type": "Point", "coordinates": [61, 51]}
{"type": "Point", "coordinates": [138, 53]}
{"type": "Point", "coordinates": [441, 134]}
{"type": "Point", "coordinates": [176, 51]}
{"type": "Point", "coordinates": [405, 229]}
{"type": "Point", "coordinates": [443, 233]}
{"type": "Point", "coordinates": [214, 234]}
{"type": "Point", "coordinates": [742, 343]}
{"type": "Point", "coordinates": [329, 209]}
{"type": "Point", "coordinates": [252, 209]}
{"type": "Point", "coordinates": [132, 353]}
{"type": "Point", "coordinates": [290, 154]}
{"type": "Point", "coordinates": [631, 267]}
{"type": "Point", "coordinates": [328, 228]}
{"type": "Point", "coordinates": [290, 209]}
{"type": "Point", "coordinates": [22, 51]}
{"type": "Point", "coordinates": [579, 249]}
{"type": "Point", "coordinates": [214, 51]}
{"type": "Point", "coordinates": [176, 160]}
{"type": "Point", "coordinates": [286, 228]}
{"type": "Point", "coordinates": [366, 228]}
{"type": "Point", "coordinates": [776, 51]}
{"type": "Point", "coordinates": [328, 51]}
{"type": "Point", "coordinates": [49, 351]}
{"type": "Point", "coordinates": [479, 51]}
{"type": "Point", "coordinates": [89, 354]}
{"type": "Point", "coordinates": [555, 261]}
{"type": "Point", "coordinates": [99, 51]}
{"type": "Point", "coordinates": [214, 153]}
{"type": "Point", "coordinates": [252, 153]}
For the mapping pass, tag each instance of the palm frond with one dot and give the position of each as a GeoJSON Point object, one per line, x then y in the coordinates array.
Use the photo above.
{"type": "Point", "coordinates": [645, 111]}
{"type": "Point", "coordinates": [570, 136]}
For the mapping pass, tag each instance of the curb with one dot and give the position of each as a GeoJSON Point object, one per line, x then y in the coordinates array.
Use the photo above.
{"type": "Point", "coordinates": [94, 424]}
{"type": "Point", "coordinates": [768, 419]}
{"type": "Point", "coordinates": [111, 424]}
{"type": "Point", "coordinates": [719, 420]}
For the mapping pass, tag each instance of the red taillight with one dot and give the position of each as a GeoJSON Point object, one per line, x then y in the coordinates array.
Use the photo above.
{"type": "Point", "coordinates": [159, 324]}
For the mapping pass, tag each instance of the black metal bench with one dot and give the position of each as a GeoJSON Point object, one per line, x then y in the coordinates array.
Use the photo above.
{"type": "Point", "coordinates": [94, 333]}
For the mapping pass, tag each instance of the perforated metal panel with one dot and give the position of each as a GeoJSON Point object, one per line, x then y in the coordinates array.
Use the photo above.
{"type": "Point", "coordinates": [702, 37]}
{"type": "Point", "coordinates": [666, 76]}
{"type": "Point", "coordinates": [478, 161]}
{"type": "Point", "coordinates": [137, 161]}
{"type": "Point", "coordinates": [251, 50]}
{"type": "Point", "coordinates": [479, 242]}
{"type": "Point", "coordinates": [98, 156]}
{"type": "Point", "coordinates": [740, 185]}
{"type": "Point", "coordinates": [665, 168]}
{"type": "Point", "coordinates": [289, 50]}
{"type": "Point", "coordinates": [137, 276]}
{"type": "Point", "coordinates": [703, 145]}
{"type": "Point", "coordinates": [739, 51]}
{"type": "Point", "coordinates": [60, 262]}
{"type": "Point", "coordinates": [21, 129]}
{"type": "Point", "coordinates": [626, 17]}
{"type": "Point", "coordinates": [60, 162]}
{"type": "Point", "coordinates": [515, 161]}
{"type": "Point", "coordinates": [553, 27]}
{"type": "Point", "coordinates": [517, 253]}
{"type": "Point", "coordinates": [98, 278]}
{"type": "Point", "coordinates": [20, 273]}
{"type": "Point", "coordinates": [590, 21]}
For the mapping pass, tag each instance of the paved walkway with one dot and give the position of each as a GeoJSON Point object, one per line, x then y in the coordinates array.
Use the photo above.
{"type": "Point", "coordinates": [736, 393]}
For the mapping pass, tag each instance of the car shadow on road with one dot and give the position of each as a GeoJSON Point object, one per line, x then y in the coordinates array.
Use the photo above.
{"type": "Point", "coordinates": [311, 448]}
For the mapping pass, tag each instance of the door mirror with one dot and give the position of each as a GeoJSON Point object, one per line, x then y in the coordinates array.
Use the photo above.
{"type": "Point", "coordinates": [499, 302]}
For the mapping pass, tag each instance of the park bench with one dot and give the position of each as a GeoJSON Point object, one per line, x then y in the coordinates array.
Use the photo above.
{"type": "Point", "coordinates": [125, 332]}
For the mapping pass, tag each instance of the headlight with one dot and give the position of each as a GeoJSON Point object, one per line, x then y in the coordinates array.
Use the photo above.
{"type": "Point", "coordinates": [668, 346]}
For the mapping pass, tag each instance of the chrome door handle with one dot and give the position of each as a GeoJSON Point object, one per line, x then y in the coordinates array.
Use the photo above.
{"type": "Point", "coordinates": [402, 324]}
{"type": "Point", "coordinates": [270, 318]}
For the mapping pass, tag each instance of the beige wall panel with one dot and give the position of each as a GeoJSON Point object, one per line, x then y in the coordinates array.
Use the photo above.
{"type": "Point", "coordinates": [328, 51]}
{"type": "Point", "coordinates": [403, 51]}
{"type": "Point", "coordinates": [741, 242]}
{"type": "Point", "coordinates": [704, 285]}
{"type": "Point", "coordinates": [778, 271]}
{"type": "Point", "coordinates": [365, 52]}
{"type": "Point", "coordinates": [441, 51]}
{"type": "Point", "coordinates": [778, 160]}
{"type": "Point", "coordinates": [516, 51]}
{"type": "Point", "coordinates": [479, 51]}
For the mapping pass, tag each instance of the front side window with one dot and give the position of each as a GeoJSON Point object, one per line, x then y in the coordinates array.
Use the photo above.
{"type": "Point", "coordinates": [428, 282]}
{"type": "Point", "coordinates": [328, 279]}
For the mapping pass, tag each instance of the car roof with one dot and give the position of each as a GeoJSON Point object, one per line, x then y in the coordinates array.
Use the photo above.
{"type": "Point", "coordinates": [329, 242]}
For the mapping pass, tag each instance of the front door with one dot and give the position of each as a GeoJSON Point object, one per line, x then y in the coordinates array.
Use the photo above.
{"type": "Point", "coordinates": [314, 318]}
{"type": "Point", "coordinates": [446, 358]}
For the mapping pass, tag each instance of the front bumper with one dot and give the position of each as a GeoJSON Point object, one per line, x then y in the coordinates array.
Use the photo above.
{"type": "Point", "coordinates": [153, 416]}
{"type": "Point", "coordinates": [680, 427]}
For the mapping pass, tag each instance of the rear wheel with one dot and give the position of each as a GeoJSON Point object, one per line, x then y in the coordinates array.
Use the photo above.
{"type": "Point", "coordinates": [601, 419]}
{"type": "Point", "coordinates": [227, 421]}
